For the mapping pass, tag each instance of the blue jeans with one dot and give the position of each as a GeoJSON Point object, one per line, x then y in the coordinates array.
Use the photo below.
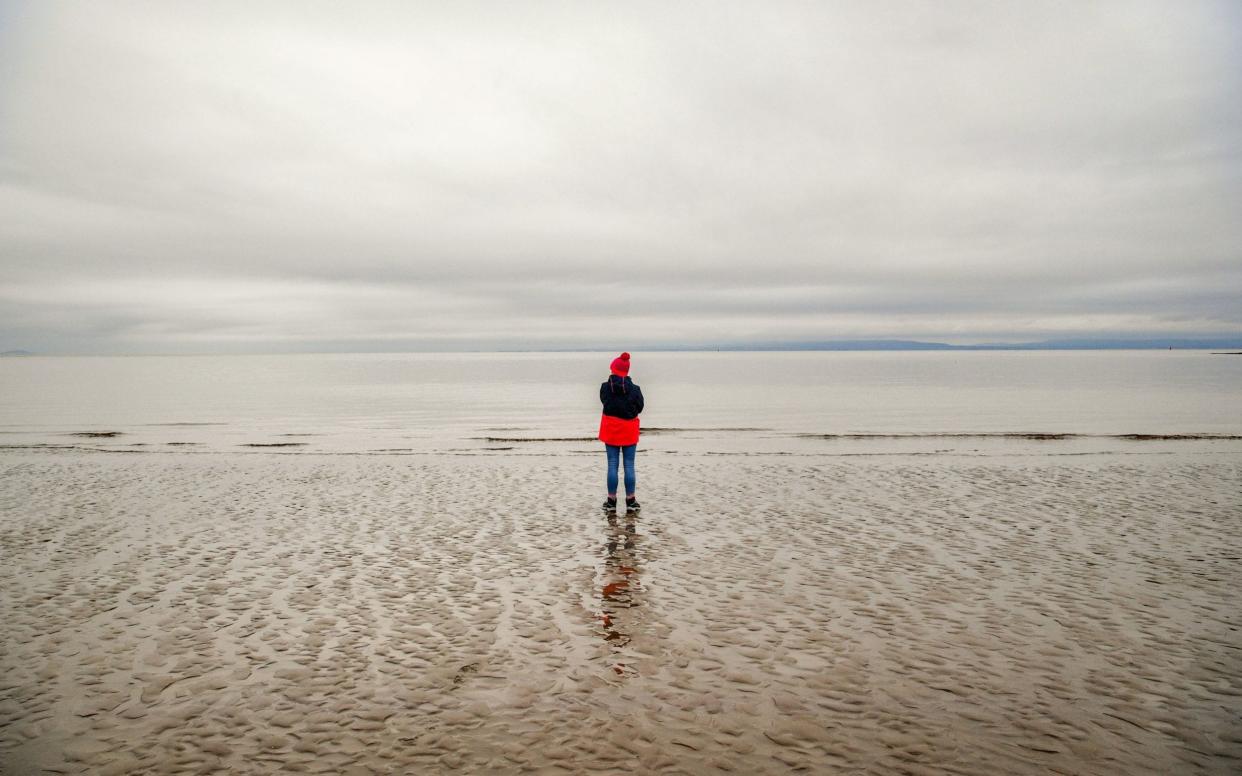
{"type": "Point", "coordinates": [616, 452]}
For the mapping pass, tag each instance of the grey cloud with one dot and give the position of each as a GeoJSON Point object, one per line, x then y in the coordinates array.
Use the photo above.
{"type": "Point", "coordinates": [190, 176]}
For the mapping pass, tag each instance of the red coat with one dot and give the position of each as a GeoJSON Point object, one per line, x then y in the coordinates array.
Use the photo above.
{"type": "Point", "coordinates": [615, 431]}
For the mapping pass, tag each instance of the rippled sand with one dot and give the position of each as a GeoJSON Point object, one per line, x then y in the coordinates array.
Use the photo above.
{"type": "Point", "coordinates": [263, 613]}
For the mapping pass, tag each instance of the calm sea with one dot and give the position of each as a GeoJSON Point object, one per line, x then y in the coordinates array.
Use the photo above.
{"type": "Point", "coordinates": [696, 402]}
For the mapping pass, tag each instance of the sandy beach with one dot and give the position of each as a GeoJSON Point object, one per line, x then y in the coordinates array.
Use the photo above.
{"type": "Point", "coordinates": [391, 614]}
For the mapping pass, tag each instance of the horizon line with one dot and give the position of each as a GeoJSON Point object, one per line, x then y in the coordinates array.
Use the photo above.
{"type": "Point", "coordinates": [862, 345]}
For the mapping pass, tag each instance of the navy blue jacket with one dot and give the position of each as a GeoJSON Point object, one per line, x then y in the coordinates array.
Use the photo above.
{"type": "Point", "coordinates": [622, 398]}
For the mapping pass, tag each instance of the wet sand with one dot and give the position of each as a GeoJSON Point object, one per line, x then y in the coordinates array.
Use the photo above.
{"type": "Point", "coordinates": [371, 614]}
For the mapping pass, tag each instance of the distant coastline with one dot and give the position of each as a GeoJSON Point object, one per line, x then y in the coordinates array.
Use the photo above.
{"type": "Point", "coordinates": [910, 345]}
{"type": "Point", "coordinates": [1218, 346]}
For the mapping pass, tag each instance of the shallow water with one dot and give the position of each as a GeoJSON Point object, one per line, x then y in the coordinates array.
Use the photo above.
{"type": "Point", "coordinates": [870, 402]}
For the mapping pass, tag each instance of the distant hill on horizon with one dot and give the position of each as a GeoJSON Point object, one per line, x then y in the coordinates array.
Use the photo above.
{"type": "Point", "coordinates": [1066, 344]}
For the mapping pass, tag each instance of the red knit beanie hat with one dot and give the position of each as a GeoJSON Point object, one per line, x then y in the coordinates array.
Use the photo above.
{"type": "Point", "coordinates": [621, 365]}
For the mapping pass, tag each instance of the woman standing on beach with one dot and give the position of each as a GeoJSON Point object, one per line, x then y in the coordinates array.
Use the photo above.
{"type": "Point", "coordinates": [618, 429]}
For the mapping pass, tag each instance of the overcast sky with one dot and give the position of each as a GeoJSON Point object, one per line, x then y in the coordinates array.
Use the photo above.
{"type": "Point", "coordinates": [218, 177]}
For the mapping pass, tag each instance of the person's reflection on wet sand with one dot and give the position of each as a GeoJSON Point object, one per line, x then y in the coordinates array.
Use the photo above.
{"type": "Point", "coordinates": [621, 586]}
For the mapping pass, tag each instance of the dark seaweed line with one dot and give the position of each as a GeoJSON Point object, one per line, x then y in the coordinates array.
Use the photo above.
{"type": "Point", "coordinates": [671, 430]}
{"type": "Point", "coordinates": [1035, 435]}
{"type": "Point", "coordinates": [534, 439]}
{"type": "Point", "coordinates": [1031, 435]}
{"type": "Point", "coordinates": [1048, 436]}
{"type": "Point", "coordinates": [185, 424]}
